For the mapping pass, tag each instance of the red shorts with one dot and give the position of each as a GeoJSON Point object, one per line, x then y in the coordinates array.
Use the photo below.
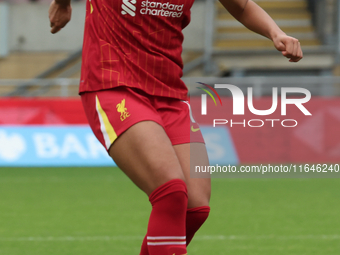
{"type": "Point", "coordinates": [111, 112]}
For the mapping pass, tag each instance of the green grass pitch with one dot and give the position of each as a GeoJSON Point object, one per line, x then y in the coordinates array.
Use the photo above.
{"type": "Point", "coordinates": [90, 211]}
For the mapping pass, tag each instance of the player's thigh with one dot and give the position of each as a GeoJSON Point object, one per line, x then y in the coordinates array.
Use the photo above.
{"type": "Point", "coordinates": [146, 155]}
{"type": "Point", "coordinates": [199, 189]}
{"type": "Point", "coordinates": [130, 128]}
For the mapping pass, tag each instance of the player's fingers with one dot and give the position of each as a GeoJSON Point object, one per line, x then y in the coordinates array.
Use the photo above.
{"type": "Point", "coordinates": [55, 29]}
{"type": "Point", "coordinates": [58, 25]}
{"type": "Point", "coordinates": [293, 52]}
{"type": "Point", "coordinates": [300, 51]}
{"type": "Point", "coordinates": [297, 53]}
{"type": "Point", "coordinates": [296, 49]}
{"type": "Point", "coordinates": [294, 57]}
{"type": "Point", "coordinates": [289, 48]}
{"type": "Point", "coordinates": [300, 55]}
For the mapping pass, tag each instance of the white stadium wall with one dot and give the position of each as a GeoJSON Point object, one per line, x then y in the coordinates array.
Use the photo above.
{"type": "Point", "coordinates": [29, 28]}
{"type": "Point", "coordinates": [3, 29]}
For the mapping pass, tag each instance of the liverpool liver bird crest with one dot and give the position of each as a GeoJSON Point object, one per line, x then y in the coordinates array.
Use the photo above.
{"type": "Point", "coordinates": [122, 110]}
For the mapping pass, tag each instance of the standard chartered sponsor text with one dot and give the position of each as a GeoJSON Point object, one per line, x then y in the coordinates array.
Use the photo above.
{"type": "Point", "coordinates": [161, 9]}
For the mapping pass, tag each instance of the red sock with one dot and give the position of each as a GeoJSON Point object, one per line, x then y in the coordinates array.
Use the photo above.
{"type": "Point", "coordinates": [166, 228]}
{"type": "Point", "coordinates": [195, 219]}
{"type": "Point", "coordinates": [144, 250]}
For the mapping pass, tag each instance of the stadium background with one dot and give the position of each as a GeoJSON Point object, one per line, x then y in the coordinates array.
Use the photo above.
{"type": "Point", "coordinates": [61, 194]}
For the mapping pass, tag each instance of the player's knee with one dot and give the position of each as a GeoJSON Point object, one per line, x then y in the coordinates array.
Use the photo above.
{"type": "Point", "coordinates": [199, 199]}
{"type": "Point", "coordinates": [166, 175]}
{"type": "Point", "coordinates": [172, 196]}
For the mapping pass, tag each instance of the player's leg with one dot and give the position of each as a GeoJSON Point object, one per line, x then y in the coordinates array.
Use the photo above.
{"type": "Point", "coordinates": [199, 189]}
{"type": "Point", "coordinates": [145, 154]}
{"type": "Point", "coordinates": [190, 149]}
{"type": "Point", "coordinates": [127, 125]}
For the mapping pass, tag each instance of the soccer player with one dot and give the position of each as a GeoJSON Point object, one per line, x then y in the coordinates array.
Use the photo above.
{"type": "Point", "coordinates": [136, 103]}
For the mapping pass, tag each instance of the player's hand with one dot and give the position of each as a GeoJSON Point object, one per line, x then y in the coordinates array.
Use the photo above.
{"type": "Point", "coordinates": [59, 16]}
{"type": "Point", "coordinates": [289, 47]}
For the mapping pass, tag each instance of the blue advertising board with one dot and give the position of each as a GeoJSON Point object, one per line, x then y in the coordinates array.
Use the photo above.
{"type": "Point", "coordinates": [77, 146]}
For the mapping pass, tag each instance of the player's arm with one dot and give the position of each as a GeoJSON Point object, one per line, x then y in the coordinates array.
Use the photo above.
{"type": "Point", "coordinates": [256, 19]}
{"type": "Point", "coordinates": [59, 14]}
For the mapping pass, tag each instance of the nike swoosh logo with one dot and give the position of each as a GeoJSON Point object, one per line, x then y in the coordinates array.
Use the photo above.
{"type": "Point", "coordinates": [194, 129]}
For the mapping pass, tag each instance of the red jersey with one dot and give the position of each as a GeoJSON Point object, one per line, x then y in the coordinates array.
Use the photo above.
{"type": "Point", "coordinates": [135, 43]}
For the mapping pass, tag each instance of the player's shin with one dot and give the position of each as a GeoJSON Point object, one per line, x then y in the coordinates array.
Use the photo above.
{"type": "Point", "coordinates": [166, 229]}
{"type": "Point", "coordinates": [195, 219]}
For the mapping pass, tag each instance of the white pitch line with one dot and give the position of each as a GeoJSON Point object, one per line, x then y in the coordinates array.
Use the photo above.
{"type": "Point", "coordinates": [70, 238]}
{"type": "Point", "coordinates": [129, 238]}
{"type": "Point", "coordinates": [232, 237]}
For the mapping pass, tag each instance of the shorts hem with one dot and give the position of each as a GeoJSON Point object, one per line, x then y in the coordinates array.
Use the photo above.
{"type": "Point", "coordinates": [130, 124]}
{"type": "Point", "coordinates": [184, 139]}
